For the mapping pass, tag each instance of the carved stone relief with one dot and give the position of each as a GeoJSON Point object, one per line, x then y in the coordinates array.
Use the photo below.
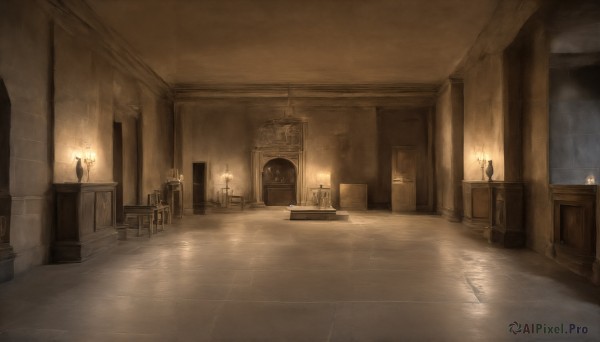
{"type": "Point", "coordinates": [278, 138]}
{"type": "Point", "coordinates": [285, 132]}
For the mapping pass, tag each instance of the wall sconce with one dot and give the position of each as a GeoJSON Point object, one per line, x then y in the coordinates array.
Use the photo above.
{"type": "Point", "coordinates": [482, 159]}
{"type": "Point", "coordinates": [89, 159]}
{"type": "Point", "coordinates": [228, 177]}
{"type": "Point", "coordinates": [590, 180]}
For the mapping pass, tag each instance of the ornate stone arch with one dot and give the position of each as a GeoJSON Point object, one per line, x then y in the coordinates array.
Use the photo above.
{"type": "Point", "coordinates": [279, 138]}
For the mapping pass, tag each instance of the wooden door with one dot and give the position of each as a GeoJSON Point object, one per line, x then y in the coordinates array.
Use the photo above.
{"type": "Point", "coordinates": [404, 174]}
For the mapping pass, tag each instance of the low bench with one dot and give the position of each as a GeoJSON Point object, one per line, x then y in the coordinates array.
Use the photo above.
{"type": "Point", "coordinates": [146, 211]}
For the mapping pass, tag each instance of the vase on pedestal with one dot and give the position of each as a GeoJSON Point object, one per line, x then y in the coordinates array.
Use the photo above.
{"type": "Point", "coordinates": [489, 171]}
{"type": "Point", "coordinates": [79, 170]}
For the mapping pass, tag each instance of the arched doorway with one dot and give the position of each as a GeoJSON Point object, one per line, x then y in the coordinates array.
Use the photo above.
{"type": "Point", "coordinates": [279, 182]}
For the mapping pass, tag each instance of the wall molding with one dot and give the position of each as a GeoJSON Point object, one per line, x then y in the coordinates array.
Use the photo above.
{"type": "Point", "coordinates": [78, 19]}
{"type": "Point", "coordinates": [299, 94]}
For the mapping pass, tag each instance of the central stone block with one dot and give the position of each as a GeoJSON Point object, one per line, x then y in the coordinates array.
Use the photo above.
{"type": "Point", "coordinates": [312, 213]}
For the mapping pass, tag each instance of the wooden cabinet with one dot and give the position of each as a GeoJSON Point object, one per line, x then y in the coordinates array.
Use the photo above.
{"type": "Point", "coordinates": [574, 226]}
{"type": "Point", "coordinates": [404, 176]}
{"type": "Point", "coordinates": [496, 208]}
{"type": "Point", "coordinates": [85, 220]}
{"type": "Point", "coordinates": [476, 203]}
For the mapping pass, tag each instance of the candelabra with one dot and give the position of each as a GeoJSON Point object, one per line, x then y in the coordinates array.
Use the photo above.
{"type": "Point", "coordinates": [89, 160]}
{"type": "Point", "coordinates": [482, 162]}
{"type": "Point", "coordinates": [228, 177]}
{"type": "Point", "coordinates": [321, 197]}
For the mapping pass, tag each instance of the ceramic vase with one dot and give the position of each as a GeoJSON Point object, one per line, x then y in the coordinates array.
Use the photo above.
{"type": "Point", "coordinates": [79, 170]}
{"type": "Point", "coordinates": [489, 171]}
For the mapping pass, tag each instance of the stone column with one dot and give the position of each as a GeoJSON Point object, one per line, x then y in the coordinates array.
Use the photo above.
{"type": "Point", "coordinates": [256, 197]}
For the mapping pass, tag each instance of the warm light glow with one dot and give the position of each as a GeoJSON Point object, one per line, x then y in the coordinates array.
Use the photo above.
{"type": "Point", "coordinates": [482, 159]}
{"type": "Point", "coordinates": [324, 178]}
{"type": "Point", "coordinates": [89, 160]}
{"type": "Point", "coordinates": [590, 180]}
{"type": "Point", "coordinates": [227, 176]}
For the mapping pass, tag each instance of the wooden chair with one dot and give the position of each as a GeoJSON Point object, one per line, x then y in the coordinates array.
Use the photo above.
{"type": "Point", "coordinates": [159, 209]}
{"type": "Point", "coordinates": [166, 206]}
{"type": "Point", "coordinates": [237, 200]}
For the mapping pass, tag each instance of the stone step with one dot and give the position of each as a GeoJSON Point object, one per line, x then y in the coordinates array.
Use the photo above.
{"type": "Point", "coordinates": [342, 215]}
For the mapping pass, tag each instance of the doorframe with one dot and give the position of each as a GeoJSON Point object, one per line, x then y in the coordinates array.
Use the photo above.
{"type": "Point", "coordinates": [117, 152]}
{"type": "Point", "coordinates": [205, 181]}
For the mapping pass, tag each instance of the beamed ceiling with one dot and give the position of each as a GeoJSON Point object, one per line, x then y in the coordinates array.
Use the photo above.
{"type": "Point", "coordinates": [298, 41]}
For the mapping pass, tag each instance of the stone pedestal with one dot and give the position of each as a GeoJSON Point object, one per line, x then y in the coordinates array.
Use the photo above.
{"type": "Point", "coordinates": [85, 220]}
{"type": "Point", "coordinates": [404, 196]}
{"type": "Point", "coordinates": [353, 196]}
{"type": "Point", "coordinates": [312, 213]}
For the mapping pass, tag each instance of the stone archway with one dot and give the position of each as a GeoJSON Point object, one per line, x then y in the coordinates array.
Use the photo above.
{"type": "Point", "coordinates": [279, 182]}
{"type": "Point", "coordinates": [279, 139]}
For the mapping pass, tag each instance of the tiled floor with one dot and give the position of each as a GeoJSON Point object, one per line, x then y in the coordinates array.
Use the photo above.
{"type": "Point", "coordinates": [256, 276]}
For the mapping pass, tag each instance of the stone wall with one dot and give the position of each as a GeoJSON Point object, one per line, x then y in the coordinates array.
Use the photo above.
{"type": "Point", "coordinates": [484, 116]}
{"type": "Point", "coordinates": [66, 90]}
{"type": "Point", "coordinates": [352, 143]}
{"type": "Point", "coordinates": [404, 126]}
{"type": "Point", "coordinates": [91, 94]}
{"type": "Point", "coordinates": [449, 125]}
{"type": "Point", "coordinates": [156, 141]}
{"type": "Point", "coordinates": [538, 211]}
{"type": "Point", "coordinates": [25, 39]}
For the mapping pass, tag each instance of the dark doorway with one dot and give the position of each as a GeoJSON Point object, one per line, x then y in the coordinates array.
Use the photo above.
{"type": "Point", "coordinates": [199, 188]}
{"type": "Point", "coordinates": [5, 199]}
{"type": "Point", "coordinates": [279, 182]}
{"type": "Point", "coordinates": [118, 168]}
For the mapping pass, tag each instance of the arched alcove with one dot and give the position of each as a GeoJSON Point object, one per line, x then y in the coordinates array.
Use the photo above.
{"type": "Point", "coordinates": [281, 141]}
{"type": "Point", "coordinates": [279, 182]}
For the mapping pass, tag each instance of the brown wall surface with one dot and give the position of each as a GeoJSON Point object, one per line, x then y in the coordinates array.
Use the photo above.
{"type": "Point", "coordinates": [90, 95]}
{"type": "Point", "coordinates": [484, 116]}
{"type": "Point", "coordinates": [538, 211]}
{"type": "Point", "coordinates": [403, 127]}
{"type": "Point", "coordinates": [25, 68]}
{"type": "Point", "coordinates": [65, 92]}
{"type": "Point", "coordinates": [449, 125]}
{"type": "Point", "coordinates": [353, 144]}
